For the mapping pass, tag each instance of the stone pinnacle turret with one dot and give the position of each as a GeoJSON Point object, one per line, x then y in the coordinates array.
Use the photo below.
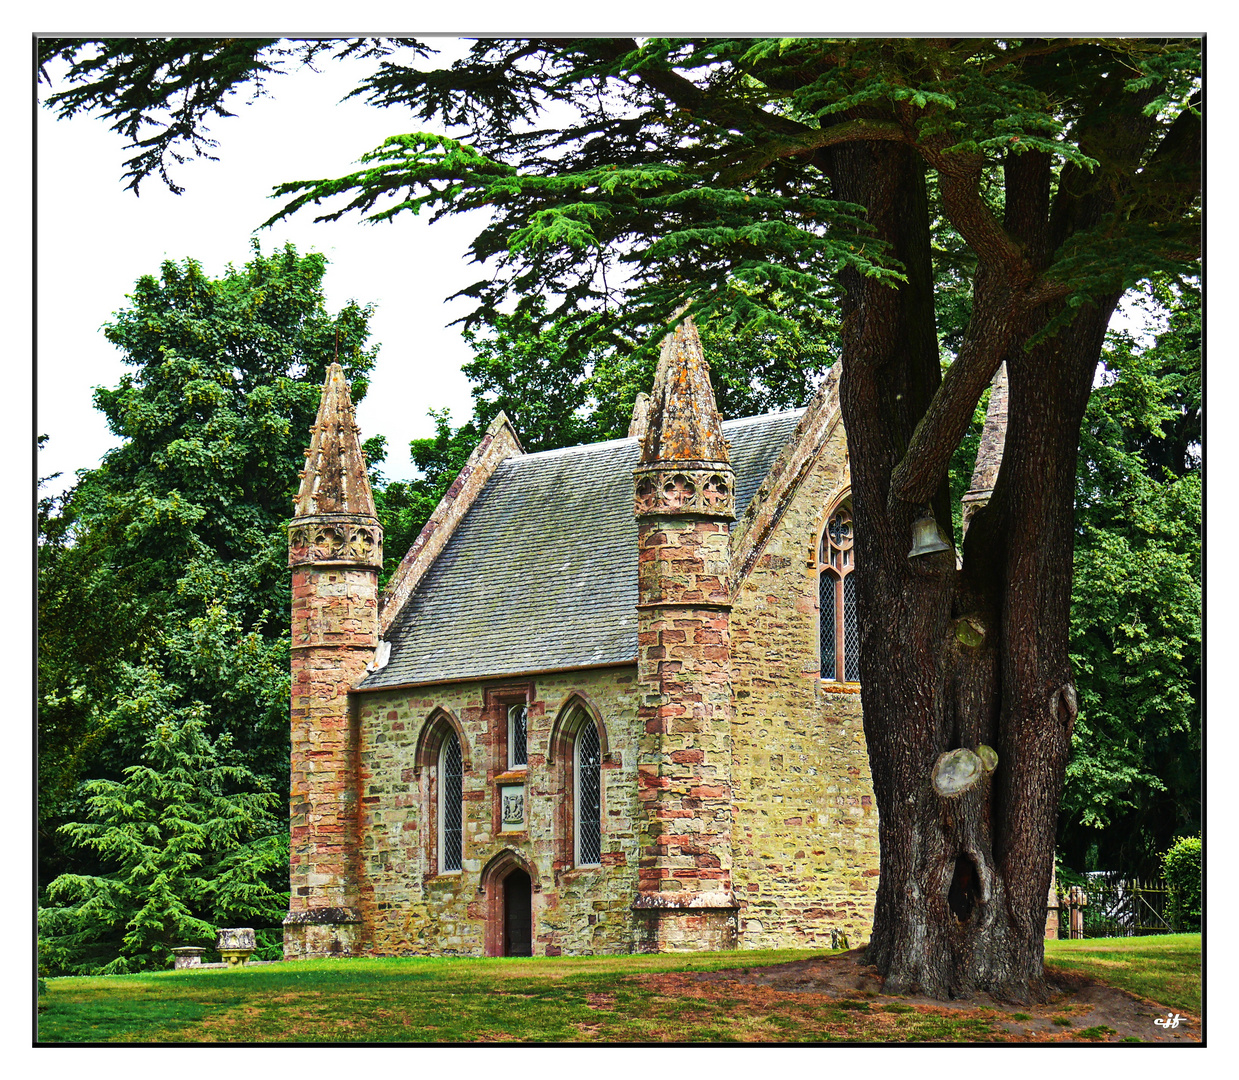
{"type": "Point", "coordinates": [989, 453]}
{"type": "Point", "coordinates": [684, 500]}
{"type": "Point", "coordinates": [334, 478]}
{"type": "Point", "coordinates": [335, 549]}
{"type": "Point", "coordinates": [685, 466]}
{"type": "Point", "coordinates": [684, 423]}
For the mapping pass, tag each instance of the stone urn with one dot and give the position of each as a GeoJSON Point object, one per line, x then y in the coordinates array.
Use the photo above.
{"type": "Point", "coordinates": [235, 944]}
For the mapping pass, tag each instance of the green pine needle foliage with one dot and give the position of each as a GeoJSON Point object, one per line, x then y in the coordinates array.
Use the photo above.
{"type": "Point", "coordinates": [187, 841]}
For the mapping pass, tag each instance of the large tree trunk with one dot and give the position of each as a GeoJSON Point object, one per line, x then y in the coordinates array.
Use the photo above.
{"type": "Point", "coordinates": [972, 660]}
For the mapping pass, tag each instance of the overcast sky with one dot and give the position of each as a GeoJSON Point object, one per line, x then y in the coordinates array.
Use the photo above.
{"type": "Point", "coordinates": [96, 239]}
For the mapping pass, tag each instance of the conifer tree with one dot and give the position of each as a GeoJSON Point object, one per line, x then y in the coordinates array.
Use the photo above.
{"type": "Point", "coordinates": [186, 842]}
{"type": "Point", "coordinates": [719, 174]}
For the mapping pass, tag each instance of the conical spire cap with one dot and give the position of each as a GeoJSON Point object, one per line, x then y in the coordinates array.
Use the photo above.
{"type": "Point", "coordinates": [334, 480]}
{"type": "Point", "coordinates": [684, 422]}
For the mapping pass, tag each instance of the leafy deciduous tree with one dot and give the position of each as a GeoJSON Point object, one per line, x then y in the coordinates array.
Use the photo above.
{"type": "Point", "coordinates": [722, 173]}
{"type": "Point", "coordinates": [164, 571]}
{"type": "Point", "coordinates": [1134, 779]}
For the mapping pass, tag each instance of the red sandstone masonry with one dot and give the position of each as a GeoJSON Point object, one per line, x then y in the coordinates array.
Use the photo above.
{"type": "Point", "coordinates": [335, 551]}
{"type": "Point", "coordinates": [683, 498]}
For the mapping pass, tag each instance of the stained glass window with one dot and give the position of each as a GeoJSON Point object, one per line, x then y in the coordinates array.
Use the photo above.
{"type": "Point", "coordinates": [839, 636]}
{"type": "Point", "coordinates": [451, 785]}
{"type": "Point", "coordinates": [588, 796]}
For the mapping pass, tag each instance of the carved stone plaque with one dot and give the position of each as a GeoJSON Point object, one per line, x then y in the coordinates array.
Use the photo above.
{"type": "Point", "coordinates": [512, 807]}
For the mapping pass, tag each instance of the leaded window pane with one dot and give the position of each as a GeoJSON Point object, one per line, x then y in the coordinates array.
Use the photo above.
{"type": "Point", "coordinates": [851, 632]}
{"type": "Point", "coordinates": [589, 796]}
{"type": "Point", "coordinates": [839, 637]}
{"type": "Point", "coordinates": [451, 788]}
{"type": "Point", "coordinates": [826, 600]}
{"type": "Point", "coordinates": [518, 720]}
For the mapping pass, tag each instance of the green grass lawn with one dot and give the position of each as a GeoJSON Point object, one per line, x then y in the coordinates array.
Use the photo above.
{"type": "Point", "coordinates": [1165, 968]}
{"type": "Point", "coordinates": [578, 999]}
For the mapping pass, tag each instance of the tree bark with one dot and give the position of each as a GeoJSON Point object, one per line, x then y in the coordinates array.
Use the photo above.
{"type": "Point", "coordinates": [973, 658]}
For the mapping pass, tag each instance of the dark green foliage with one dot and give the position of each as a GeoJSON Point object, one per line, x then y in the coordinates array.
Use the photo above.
{"type": "Point", "coordinates": [1181, 867]}
{"type": "Point", "coordinates": [757, 184]}
{"type": "Point", "coordinates": [163, 584]}
{"type": "Point", "coordinates": [187, 842]}
{"type": "Point", "coordinates": [1134, 779]}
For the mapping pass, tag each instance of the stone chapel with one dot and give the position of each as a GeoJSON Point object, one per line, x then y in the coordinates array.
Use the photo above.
{"type": "Point", "coordinates": [608, 703]}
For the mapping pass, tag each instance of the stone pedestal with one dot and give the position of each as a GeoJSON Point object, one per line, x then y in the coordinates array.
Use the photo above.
{"type": "Point", "coordinates": [187, 956]}
{"type": "Point", "coordinates": [322, 932]}
{"type": "Point", "coordinates": [686, 922]}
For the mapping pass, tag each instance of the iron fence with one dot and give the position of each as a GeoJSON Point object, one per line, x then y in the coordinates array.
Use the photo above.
{"type": "Point", "coordinates": [1111, 904]}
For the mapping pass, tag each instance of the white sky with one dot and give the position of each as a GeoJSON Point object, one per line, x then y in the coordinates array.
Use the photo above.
{"type": "Point", "coordinates": [96, 239]}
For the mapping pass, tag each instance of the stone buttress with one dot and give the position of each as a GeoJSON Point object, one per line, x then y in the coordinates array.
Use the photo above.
{"type": "Point", "coordinates": [335, 551]}
{"type": "Point", "coordinates": [684, 500]}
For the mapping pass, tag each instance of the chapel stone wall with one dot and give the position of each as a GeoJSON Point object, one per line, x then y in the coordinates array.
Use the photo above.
{"type": "Point", "coordinates": [407, 907]}
{"type": "Point", "coordinates": [805, 838]}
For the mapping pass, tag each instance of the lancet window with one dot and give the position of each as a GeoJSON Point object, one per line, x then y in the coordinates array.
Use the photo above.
{"type": "Point", "coordinates": [839, 635]}
{"type": "Point", "coordinates": [518, 736]}
{"type": "Point", "coordinates": [451, 799]}
{"type": "Point", "coordinates": [588, 796]}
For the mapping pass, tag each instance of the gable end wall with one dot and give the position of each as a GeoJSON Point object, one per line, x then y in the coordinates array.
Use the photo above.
{"type": "Point", "coordinates": [805, 838]}
{"type": "Point", "coordinates": [407, 908]}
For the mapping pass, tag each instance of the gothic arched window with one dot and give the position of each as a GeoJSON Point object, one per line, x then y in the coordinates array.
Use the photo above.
{"type": "Point", "coordinates": [451, 785]}
{"type": "Point", "coordinates": [839, 635]}
{"type": "Point", "coordinates": [587, 795]}
{"type": "Point", "coordinates": [577, 751]}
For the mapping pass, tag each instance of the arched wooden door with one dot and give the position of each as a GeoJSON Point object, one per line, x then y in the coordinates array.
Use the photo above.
{"type": "Point", "coordinates": [517, 914]}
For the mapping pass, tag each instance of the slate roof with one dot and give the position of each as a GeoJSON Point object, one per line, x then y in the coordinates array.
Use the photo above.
{"type": "Point", "coordinates": [542, 571]}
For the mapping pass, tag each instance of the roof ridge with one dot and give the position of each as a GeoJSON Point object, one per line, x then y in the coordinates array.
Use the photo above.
{"type": "Point", "coordinates": [605, 443]}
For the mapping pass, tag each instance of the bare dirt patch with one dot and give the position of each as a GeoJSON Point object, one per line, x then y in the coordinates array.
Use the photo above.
{"type": "Point", "coordinates": [1080, 1009]}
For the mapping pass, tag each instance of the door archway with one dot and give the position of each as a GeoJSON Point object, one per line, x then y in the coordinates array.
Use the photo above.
{"type": "Point", "coordinates": [509, 882]}
{"type": "Point", "coordinates": [517, 914]}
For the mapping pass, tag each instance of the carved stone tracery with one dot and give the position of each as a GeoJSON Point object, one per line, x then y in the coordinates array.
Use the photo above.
{"type": "Point", "coordinates": [708, 490]}
{"type": "Point", "coordinates": [358, 542]}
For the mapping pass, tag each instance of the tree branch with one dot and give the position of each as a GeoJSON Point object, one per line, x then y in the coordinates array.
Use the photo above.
{"type": "Point", "coordinates": [994, 315]}
{"type": "Point", "coordinates": [816, 139]}
{"type": "Point", "coordinates": [686, 95]}
{"type": "Point", "coordinates": [959, 176]}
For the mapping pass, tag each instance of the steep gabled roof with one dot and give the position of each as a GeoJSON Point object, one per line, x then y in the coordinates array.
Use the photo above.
{"type": "Point", "coordinates": [541, 574]}
{"type": "Point", "coordinates": [497, 445]}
